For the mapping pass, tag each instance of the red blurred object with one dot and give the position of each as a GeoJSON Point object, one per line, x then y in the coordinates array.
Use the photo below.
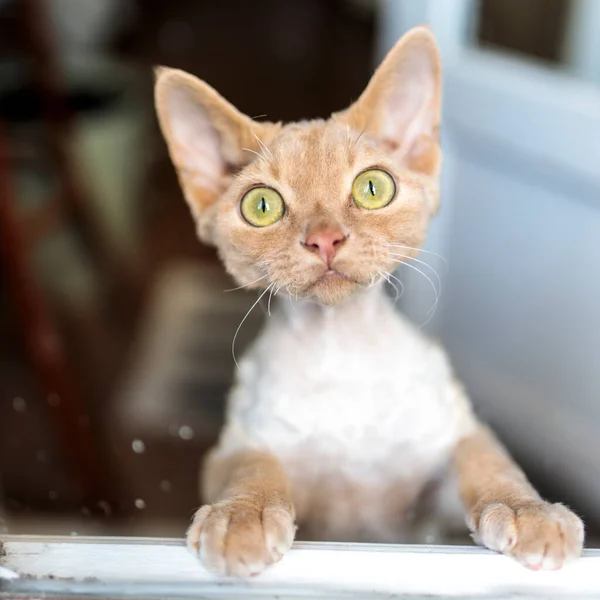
{"type": "Point", "coordinates": [18, 235]}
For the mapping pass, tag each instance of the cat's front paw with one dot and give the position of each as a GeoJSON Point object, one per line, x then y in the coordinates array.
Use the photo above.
{"type": "Point", "coordinates": [241, 537]}
{"type": "Point", "coordinates": [542, 536]}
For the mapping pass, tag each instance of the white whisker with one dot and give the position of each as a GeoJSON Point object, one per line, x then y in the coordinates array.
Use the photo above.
{"type": "Point", "coordinates": [441, 257]}
{"type": "Point", "coordinates": [245, 285]}
{"type": "Point", "coordinates": [399, 281]}
{"type": "Point", "coordinates": [242, 322]}
{"type": "Point", "coordinates": [269, 302]}
{"type": "Point", "coordinates": [292, 302]}
{"type": "Point", "coordinates": [387, 278]}
{"type": "Point", "coordinates": [375, 279]}
{"type": "Point", "coordinates": [257, 154]}
{"type": "Point", "coordinates": [431, 311]}
{"type": "Point", "coordinates": [422, 262]}
{"type": "Point", "coordinates": [263, 146]}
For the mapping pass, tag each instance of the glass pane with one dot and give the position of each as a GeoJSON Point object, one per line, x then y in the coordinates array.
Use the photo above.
{"type": "Point", "coordinates": [141, 330]}
{"type": "Point", "coordinates": [532, 27]}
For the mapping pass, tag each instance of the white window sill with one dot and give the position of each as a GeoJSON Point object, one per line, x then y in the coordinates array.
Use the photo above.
{"type": "Point", "coordinates": [151, 568]}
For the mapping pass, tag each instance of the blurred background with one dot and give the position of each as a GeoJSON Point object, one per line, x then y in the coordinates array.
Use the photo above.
{"type": "Point", "coordinates": [115, 331]}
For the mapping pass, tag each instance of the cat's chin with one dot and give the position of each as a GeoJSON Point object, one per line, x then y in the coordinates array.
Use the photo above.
{"type": "Point", "coordinates": [332, 288]}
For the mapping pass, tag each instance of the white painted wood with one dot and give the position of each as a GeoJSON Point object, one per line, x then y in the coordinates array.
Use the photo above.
{"type": "Point", "coordinates": [535, 113]}
{"type": "Point", "coordinates": [554, 441]}
{"type": "Point", "coordinates": [581, 49]}
{"type": "Point", "coordinates": [166, 568]}
{"type": "Point", "coordinates": [7, 574]}
{"type": "Point", "coordinates": [522, 318]}
{"type": "Point", "coordinates": [451, 21]}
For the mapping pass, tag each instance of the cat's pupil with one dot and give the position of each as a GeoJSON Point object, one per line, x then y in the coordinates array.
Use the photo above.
{"type": "Point", "coordinates": [262, 205]}
{"type": "Point", "coordinates": [371, 188]}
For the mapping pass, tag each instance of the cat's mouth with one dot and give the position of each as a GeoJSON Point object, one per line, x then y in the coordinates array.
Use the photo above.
{"type": "Point", "coordinates": [334, 275]}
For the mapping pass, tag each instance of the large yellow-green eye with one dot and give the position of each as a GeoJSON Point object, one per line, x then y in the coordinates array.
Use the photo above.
{"type": "Point", "coordinates": [373, 189]}
{"type": "Point", "coordinates": [262, 206]}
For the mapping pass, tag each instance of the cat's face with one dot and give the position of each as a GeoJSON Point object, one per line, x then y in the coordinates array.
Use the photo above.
{"type": "Point", "coordinates": [316, 209]}
{"type": "Point", "coordinates": [324, 244]}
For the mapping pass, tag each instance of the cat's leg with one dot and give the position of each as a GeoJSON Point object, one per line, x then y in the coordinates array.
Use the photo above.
{"type": "Point", "coordinates": [250, 521]}
{"type": "Point", "coordinates": [506, 514]}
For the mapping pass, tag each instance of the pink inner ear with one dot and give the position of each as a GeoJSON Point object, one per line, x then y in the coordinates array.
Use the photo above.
{"type": "Point", "coordinates": [407, 107]}
{"type": "Point", "coordinates": [195, 141]}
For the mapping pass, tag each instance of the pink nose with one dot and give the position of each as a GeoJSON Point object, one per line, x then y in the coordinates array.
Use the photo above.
{"type": "Point", "coordinates": [325, 243]}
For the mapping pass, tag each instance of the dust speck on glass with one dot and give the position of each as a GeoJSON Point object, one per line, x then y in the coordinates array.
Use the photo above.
{"type": "Point", "coordinates": [138, 446]}
{"type": "Point", "coordinates": [186, 432]}
{"type": "Point", "coordinates": [19, 404]}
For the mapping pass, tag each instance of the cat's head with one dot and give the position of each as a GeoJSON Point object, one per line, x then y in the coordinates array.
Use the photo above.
{"type": "Point", "coordinates": [314, 208]}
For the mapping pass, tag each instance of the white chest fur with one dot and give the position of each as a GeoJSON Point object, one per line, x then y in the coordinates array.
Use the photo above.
{"type": "Point", "coordinates": [359, 406]}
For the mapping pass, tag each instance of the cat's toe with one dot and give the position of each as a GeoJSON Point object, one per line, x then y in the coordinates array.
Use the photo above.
{"type": "Point", "coordinates": [233, 538]}
{"type": "Point", "coordinates": [542, 536]}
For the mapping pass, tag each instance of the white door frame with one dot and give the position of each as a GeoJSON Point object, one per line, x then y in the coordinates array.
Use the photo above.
{"type": "Point", "coordinates": [480, 84]}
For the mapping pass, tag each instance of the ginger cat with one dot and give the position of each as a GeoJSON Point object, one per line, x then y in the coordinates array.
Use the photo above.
{"type": "Point", "coordinates": [344, 417]}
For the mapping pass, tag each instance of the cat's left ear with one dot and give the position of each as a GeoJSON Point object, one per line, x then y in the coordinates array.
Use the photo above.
{"type": "Point", "coordinates": [401, 105]}
{"type": "Point", "coordinates": [208, 140]}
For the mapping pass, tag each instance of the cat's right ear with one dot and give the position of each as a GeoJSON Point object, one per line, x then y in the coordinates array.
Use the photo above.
{"type": "Point", "coordinates": [207, 138]}
{"type": "Point", "coordinates": [401, 105]}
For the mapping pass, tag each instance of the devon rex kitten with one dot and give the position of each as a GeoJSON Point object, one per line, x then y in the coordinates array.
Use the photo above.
{"type": "Point", "coordinates": [343, 417]}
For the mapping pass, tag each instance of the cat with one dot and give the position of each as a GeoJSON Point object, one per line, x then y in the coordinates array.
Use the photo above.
{"type": "Point", "coordinates": [344, 417]}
